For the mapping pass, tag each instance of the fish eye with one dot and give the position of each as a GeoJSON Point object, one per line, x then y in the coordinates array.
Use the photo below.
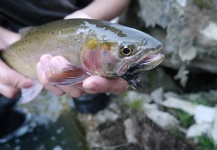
{"type": "Point", "coordinates": [126, 49]}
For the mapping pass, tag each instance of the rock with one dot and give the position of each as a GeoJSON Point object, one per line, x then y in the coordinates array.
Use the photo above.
{"type": "Point", "coordinates": [187, 55]}
{"type": "Point", "coordinates": [104, 116]}
{"type": "Point", "coordinates": [163, 119]}
{"type": "Point", "coordinates": [115, 108]}
{"type": "Point", "coordinates": [187, 28]}
{"type": "Point", "coordinates": [207, 37]}
{"type": "Point", "coordinates": [182, 75]}
{"type": "Point", "coordinates": [204, 114]}
{"type": "Point", "coordinates": [131, 130]}
{"type": "Point", "coordinates": [133, 96]}
{"type": "Point", "coordinates": [181, 2]}
{"type": "Point", "coordinates": [213, 131]}
{"type": "Point", "coordinates": [198, 130]}
{"type": "Point", "coordinates": [172, 102]}
{"type": "Point", "coordinates": [157, 95]}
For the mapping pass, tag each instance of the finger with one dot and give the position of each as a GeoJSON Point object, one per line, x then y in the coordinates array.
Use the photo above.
{"type": "Point", "coordinates": [103, 85]}
{"type": "Point", "coordinates": [9, 91]}
{"type": "Point", "coordinates": [72, 90]}
{"type": "Point", "coordinates": [58, 63]}
{"type": "Point", "coordinates": [56, 90]}
{"type": "Point", "coordinates": [10, 77]}
{"type": "Point", "coordinates": [42, 72]}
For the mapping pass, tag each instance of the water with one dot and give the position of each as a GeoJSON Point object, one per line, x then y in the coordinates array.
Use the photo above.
{"type": "Point", "coordinates": [54, 123]}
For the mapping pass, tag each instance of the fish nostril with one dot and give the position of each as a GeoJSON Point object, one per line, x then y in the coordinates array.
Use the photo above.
{"type": "Point", "coordinates": [144, 42]}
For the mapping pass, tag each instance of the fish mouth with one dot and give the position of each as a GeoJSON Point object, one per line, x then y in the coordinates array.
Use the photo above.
{"type": "Point", "coordinates": [148, 63]}
{"type": "Point", "coordinates": [140, 67]}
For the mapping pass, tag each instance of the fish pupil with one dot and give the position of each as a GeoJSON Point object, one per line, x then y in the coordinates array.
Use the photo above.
{"type": "Point", "coordinates": [126, 51]}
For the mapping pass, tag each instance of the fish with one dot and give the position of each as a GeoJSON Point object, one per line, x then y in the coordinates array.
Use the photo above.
{"type": "Point", "coordinates": [92, 47]}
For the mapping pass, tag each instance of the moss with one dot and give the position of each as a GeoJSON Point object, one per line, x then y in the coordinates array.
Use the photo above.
{"type": "Point", "coordinates": [136, 105]}
{"type": "Point", "coordinates": [204, 4]}
{"type": "Point", "coordinates": [185, 119]}
{"type": "Point", "coordinates": [204, 102]}
{"type": "Point", "coordinates": [206, 143]}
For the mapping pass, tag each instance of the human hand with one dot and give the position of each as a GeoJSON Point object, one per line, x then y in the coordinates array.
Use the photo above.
{"type": "Point", "coordinates": [78, 14]}
{"type": "Point", "coordinates": [92, 84]}
{"type": "Point", "coordinates": [10, 81]}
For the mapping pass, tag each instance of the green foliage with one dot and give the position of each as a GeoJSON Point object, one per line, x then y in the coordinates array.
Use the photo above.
{"type": "Point", "coordinates": [185, 119]}
{"type": "Point", "coordinates": [204, 102]}
{"type": "Point", "coordinates": [204, 4]}
{"type": "Point", "coordinates": [206, 143]}
{"type": "Point", "coordinates": [136, 105]}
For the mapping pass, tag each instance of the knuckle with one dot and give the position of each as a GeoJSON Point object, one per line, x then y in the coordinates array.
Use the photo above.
{"type": "Point", "coordinates": [4, 78]}
{"type": "Point", "coordinates": [45, 83]}
{"type": "Point", "coordinates": [59, 93]}
{"type": "Point", "coordinates": [12, 94]}
{"type": "Point", "coordinates": [76, 94]}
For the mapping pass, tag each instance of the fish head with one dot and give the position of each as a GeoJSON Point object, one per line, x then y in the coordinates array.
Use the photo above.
{"type": "Point", "coordinates": [116, 49]}
{"type": "Point", "coordinates": [138, 51]}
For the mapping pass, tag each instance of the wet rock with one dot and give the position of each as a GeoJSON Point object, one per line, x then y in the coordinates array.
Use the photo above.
{"type": "Point", "coordinates": [207, 36]}
{"type": "Point", "coordinates": [204, 114]}
{"type": "Point", "coordinates": [187, 29]}
{"type": "Point", "coordinates": [184, 105]}
{"type": "Point", "coordinates": [197, 130]}
{"type": "Point", "coordinates": [105, 116]}
{"type": "Point", "coordinates": [133, 96]}
{"type": "Point", "coordinates": [213, 131]}
{"type": "Point", "coordinates": [131, 130]}
{"type": "Point", "coordinates": [157, 95]}
{"type": "Point", "coordinates": [163, 119]}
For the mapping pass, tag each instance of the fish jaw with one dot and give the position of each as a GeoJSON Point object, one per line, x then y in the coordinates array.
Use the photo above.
{"type": "Point", "coordinates": [150, 62]}
{"type": "Point", "coordinates": [147, 57]}
{"type": "Point", "coordinates": [135, 71]}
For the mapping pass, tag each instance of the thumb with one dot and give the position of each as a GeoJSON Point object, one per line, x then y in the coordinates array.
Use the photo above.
{"type": "Point", "coordinates": [10, 77]}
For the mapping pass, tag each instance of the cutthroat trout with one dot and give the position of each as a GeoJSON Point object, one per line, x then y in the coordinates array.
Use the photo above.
{"type": "Point", "coordinates": [93, 47]}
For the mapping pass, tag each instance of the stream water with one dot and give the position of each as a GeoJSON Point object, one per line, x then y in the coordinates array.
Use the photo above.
{"type": "Point", "coordinates": [53, 126]}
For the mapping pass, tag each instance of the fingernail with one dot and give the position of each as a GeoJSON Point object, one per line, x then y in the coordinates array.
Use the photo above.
{"type": "Point", "coordinates": [58, 63]}
{"type": "Point", "coordinates": [45, 60]}
{"type": "Point", "coordinates": [28, 83]}
{"type": "Point", "coordinates": [41, 71]}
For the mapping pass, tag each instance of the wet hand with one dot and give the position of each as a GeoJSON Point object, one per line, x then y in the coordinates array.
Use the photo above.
{"type": "Point", "coordinates": [92, 84]}
{"type": "Point", "coordinates": [11, 81]}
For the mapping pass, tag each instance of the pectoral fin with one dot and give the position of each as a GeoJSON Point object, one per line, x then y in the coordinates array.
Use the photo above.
{"type": "Point", "coordinates": [27, 30]}
{"type": "Point", "coordinates": [29, 94]}
{"type": "Point", "coordinates": [68, 76]}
